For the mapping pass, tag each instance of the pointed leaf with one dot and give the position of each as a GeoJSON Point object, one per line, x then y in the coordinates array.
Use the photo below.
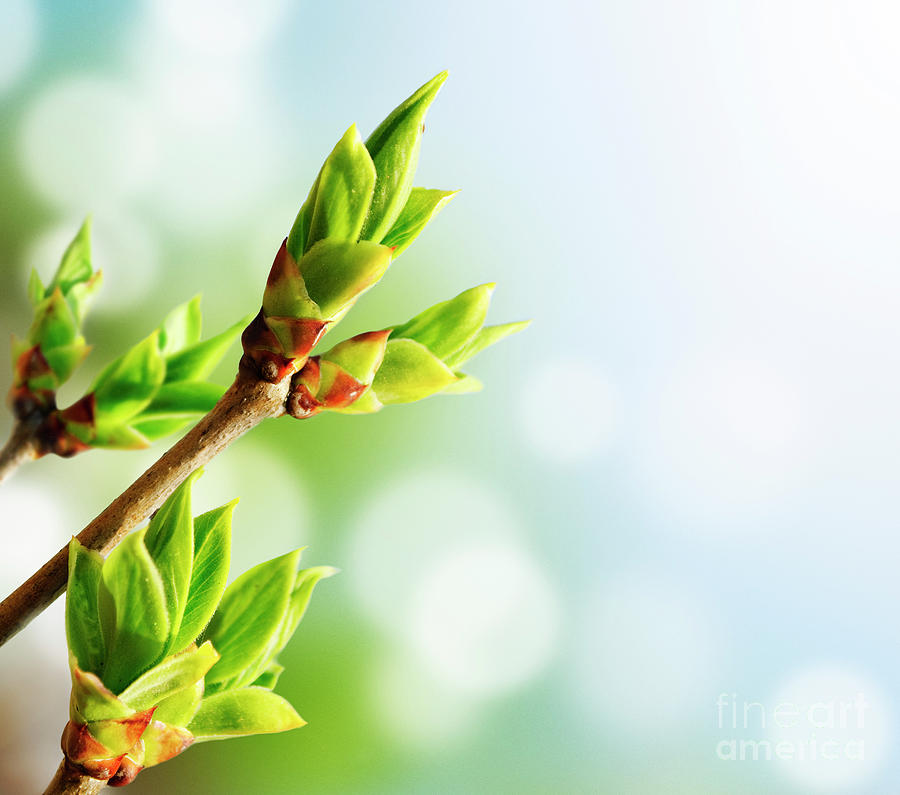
{"type": "Point", "coordinates": [181, 399]}
{"type": "Point", "coordinates": [153, 429]}
{"type": "Point", "coordinates": [464, 385]}
{"type": "Point", "coordinates": [269, 677]}
{"type": "Point", "coordinates": [483, 339]}
{"type": "Point", "coordinates": [76, 265]}
{"type": "Point", "coordinates": [169, 677]}
{"type": "Point", "coordinates": [112, 436]}
{"type": "Point", "coordinates": [212, 557]}
{"type": "Point", "coordinates": [337, 272]}
{"type": "Point", "coordinates": [394, 147]}
{"type": "Point", "coordinates": [36, 289]}
{"type": "Point", "coordinates": [181, 327]}
{"type": "Point", "coordinates": [178, 709]}
{"type": "Point", "coordinates": [299, 235]}
{"type": "Point", "coordinates": [198, 361]}
{"type": "Point", "coordinates": [446, 327]}
{"type": "Point", "coordinates": [409, 372]}
{"type": "Point", "coordinates": [54, 324]}
{"type": "Point", "coordinates": [80, 294]}
{"type": "Point", "coordinates": [133, 612]}
{"type": "Point", "coordinates": [344, 192]}
{"type": "Point", "coordinates": [421, 206]}
{"type": "Point", "coordinates": [251, 710]}
{"type": "Point", "coordinates": [129, 383]}
{"type": "Point", "coordinates": [170, 541]}
{"type": "Point", "coordinates": [63, 359]}
{"type": "Point", "coordinates": [250, 613]}
{"type": "Point", "coordinates": [299, 600]}
{"type": "Point", "coordinates": [82, 612]}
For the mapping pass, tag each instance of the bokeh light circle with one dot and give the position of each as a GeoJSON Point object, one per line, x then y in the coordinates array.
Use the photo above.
{"type": "Point", "coordinates": [833, 728]}
{"type": "Point", "coordinates": [485, 617]}
{"type": "Point", "coordinates": [87, 141]}
{"type": "Point", "coordinates": [220, 28]}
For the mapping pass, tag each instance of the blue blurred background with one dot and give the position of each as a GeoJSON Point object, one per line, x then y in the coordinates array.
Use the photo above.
{"type": "Point", "coordinates": [658, 553]}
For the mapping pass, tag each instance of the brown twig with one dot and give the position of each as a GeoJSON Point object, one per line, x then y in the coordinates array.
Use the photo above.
{"type": "Point", "coordinates": [247, 402]}
{"type": "Point", "coordinates": [21, 446]}
{"type": "Point", "coordinates": [69, 781]}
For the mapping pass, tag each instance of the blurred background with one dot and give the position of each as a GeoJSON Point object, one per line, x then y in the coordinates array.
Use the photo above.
{"type": "Point", "coordinates": [658, 553]}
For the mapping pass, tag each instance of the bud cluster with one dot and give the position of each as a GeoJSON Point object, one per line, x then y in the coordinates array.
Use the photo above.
{"type": "Point", "coordinates": [163, 655]}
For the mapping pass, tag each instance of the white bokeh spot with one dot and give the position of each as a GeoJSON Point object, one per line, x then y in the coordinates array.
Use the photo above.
{"type": "Point", "coordinates": [18, 39]}
{"type": "Point", "coordinates": [410, 526]}
{"type": "Point", "coordinates": [832, 731]}
{"type": "Point", "coordinates": [581, 422]}
{"type": "Point", "coordinates": [220, 28]}
{"type": "Point", "coordinates": [418, 709]}
{"type": "Point", "coordinates": [485, 618]}
{"type": "Point", "coordinates": [87, 141]}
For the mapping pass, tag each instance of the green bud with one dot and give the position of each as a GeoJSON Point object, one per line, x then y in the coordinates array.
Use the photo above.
{"type": "Point", "coordinates": [340, 198]}
{"type": "Point", "coordinates": [394, 147]}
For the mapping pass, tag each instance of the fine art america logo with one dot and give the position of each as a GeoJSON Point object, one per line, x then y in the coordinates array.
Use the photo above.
{"type": "Point", "coordinates": [823, 730]}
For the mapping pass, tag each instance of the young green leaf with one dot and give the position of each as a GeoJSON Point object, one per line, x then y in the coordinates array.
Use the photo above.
{"type": "Point", "coordinates": [128, 384]}
{"type": "Point", "coordinates": [464, 385]}
{"type": "Point", "coordinates": [54, 324]}
{"type": "Point", "coordinates": [448, 326]}
{"type": "Point", "coordinates": [63, 359]}
{"type": "Point", "coordinates": [75, 266]}
{"type": "Point", "coordinates": [181, 327]}
{"type": "Point", "coordinates": [169, 677]}
{"type": "Point", "coordinates": [410, 372]}
{"type": "Point", "coordinates": [421, 206]}
{"type": "Point", "coordinates": [297, 240]}
{"type": "Point", "coordinates": [133, 613]}
{"type": "Point", "coordinates": [212, 556]}
{"type": "Point", "coordinates": [269, 677]}
{"type": "Point", "coordinates": [197, 361]}
{"type": "Point", "coordinates": [299, 600]}
{"type": "Point", "coordinates": [182, 399]}
{"type": "Point", "coordinates": [250, 613]}
{"type": "Point", "coordinates": [337, 272]}
{"type": "Point", "coordinates": [394, 147]}
{"type": "Point", "coordinates": [82, 612]}
{"type": "Point", "coordinates": [486, 337]}
{"type": "Point", "coordinates": [250, 710]}
{"type": "Point", "coordinates": [111, 435]}
{"type": "Point", "coordinates": [179, 708]}
{"type": "Point", "coordinates": [344, 191]}
{"type": "Point", "coordinates": [170, 541]}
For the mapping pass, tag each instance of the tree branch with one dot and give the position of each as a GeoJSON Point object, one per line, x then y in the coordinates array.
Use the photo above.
{"type": "Point", "coordinates": [247, 402]}
{"type": "Point", "coordinates": [20, 447]}
{"type": "Point", "coordinates": [69, 781]}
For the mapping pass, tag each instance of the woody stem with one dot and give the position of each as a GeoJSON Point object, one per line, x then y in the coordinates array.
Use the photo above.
{"type": "Point", "coordinates": [69, 781]}
{"type": "Point", "coordinates": [247, 402]}
{"type": "Point", "coordinates": [21, 446]}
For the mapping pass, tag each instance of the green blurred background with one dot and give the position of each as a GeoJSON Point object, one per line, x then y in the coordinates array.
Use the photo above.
{"type": "Point", "coordinates": [677, 493]}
